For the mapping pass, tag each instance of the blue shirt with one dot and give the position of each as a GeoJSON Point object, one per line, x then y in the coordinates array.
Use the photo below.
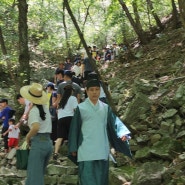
{"type": "Point", "coordinates": [68, 66]}
{"type": "Point", "coordinates": [5, 115]}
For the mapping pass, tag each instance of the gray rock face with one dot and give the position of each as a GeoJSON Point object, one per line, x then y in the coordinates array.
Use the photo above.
{"type": "Point", "coordinates": [155, 116]}
{"type": "Point", "coordinates": [149, 173]}
{"type": "Point", "coordinates": [137, 108]}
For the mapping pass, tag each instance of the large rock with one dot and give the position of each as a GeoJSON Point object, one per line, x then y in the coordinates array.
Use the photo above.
{"type": "Point", "coordinates": [179, 98]}
{"type": "Point", "coordinates": [139, 106]}
{"type": "Point", "coordinates": [144, 86]}
{"type": "Point", "coordinates": [167, 148]}
{"type": "Point", "coordinates": [150, 173]}
{"type": "Point", "coordinates": [169, 113]}
{"type": "Point", "coordinates": [119, 176]}
{"type": "Point", "coordinates": [143, 153]}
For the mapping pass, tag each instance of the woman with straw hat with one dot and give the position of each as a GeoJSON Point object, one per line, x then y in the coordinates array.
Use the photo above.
{"type": "Point", "coordinates": [39, 121]}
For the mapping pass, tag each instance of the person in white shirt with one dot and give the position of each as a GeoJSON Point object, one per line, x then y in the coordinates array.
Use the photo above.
{"type": "Point", "coordinates": [27, 106]}
{"type": "Point", "coordinates": [66, 109]}
{"type": "Point", "coordinates": [77, 68]}
{"type": "Point", "coordinates": [115, 51]}
{"type": "Point", "coordinates": [38, 137]}
{"type": "Point", "coordinates": [13, 135]}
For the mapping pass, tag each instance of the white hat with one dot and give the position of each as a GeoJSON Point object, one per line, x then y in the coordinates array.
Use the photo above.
{"type": "Point", "coordinates": [34, 93]}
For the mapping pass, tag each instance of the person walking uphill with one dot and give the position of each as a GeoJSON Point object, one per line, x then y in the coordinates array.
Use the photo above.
{"type": "Point", "coordinates": [39, 121]}
{"type": "Point", "coordinates": [92, 128]}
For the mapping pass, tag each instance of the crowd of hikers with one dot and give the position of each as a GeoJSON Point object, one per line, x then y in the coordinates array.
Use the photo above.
{"type": "Point", "coordinates": [72, 109]}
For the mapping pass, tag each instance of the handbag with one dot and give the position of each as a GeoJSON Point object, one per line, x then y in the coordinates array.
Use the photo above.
{"type": "Point", "coordinates": [22, 155]}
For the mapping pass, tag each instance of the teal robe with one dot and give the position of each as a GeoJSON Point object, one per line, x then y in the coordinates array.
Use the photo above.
{"type": "Point", "coordinates": [113, 128]}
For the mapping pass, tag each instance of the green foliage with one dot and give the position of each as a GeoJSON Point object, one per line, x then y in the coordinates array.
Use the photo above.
{"type": "Point", "coordinates": [105, 23]}
{"type": "Point", "coordinates": [8, 22]}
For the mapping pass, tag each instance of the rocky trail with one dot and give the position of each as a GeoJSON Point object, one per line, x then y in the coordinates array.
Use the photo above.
{"type": "Point", "coordinates": [149, 94]}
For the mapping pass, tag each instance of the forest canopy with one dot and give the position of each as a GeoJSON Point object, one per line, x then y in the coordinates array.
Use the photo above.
{"type": "Point", "coordinates": [44, 27]}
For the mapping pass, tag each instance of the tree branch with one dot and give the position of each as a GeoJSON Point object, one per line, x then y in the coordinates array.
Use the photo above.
{"type": "Point", "coordinates": [92, 61]}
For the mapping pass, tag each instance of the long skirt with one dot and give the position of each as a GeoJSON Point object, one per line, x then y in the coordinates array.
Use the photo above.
{"type": "Point", "coordinates": [93, 172]}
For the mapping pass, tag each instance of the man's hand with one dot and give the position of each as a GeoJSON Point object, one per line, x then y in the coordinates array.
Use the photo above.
{"type": "Point", "coordinates": [126, 137]}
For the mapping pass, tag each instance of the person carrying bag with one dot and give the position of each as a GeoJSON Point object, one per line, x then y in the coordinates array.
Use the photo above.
{"type": "Point", "coordinates": [38, 137]}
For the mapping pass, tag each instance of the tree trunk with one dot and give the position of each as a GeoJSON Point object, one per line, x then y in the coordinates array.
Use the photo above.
{"type": "Point", "coordinates": [92, 61]}
{"type": "Point", "coordinates": [140, 33]}
{"type": "Point", "coordinates": [24, 57]}
{"type": "Point", "coordinates": [83, 27]}
{"type": "Point", "coordinates": [136, 14]}
{"type": "Point", "coordinates": [182, 11]}
{"type": "Point", "coordinates": [159, 24]}
{"type": "Point", "coordinates": [175, 15]}
{"type": "Point", "coordinates": [69, 53]}
{"type": "Point", "coordinates": [3, 47]}
{"type": "Point", "coordinates": [5, 53]}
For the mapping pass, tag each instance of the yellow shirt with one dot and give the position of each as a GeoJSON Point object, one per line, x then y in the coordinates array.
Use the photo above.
{"type": "Point", "coordinates": [49, 96]}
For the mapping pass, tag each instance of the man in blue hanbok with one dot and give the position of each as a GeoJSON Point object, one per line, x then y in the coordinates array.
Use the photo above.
{"type": "Point", "coordinates": [94, 128]}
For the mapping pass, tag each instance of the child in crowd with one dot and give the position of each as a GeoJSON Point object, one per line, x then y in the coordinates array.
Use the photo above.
{"type": "Point", "coordinates": [6, 113]}
{"type": "Point", "coordinates": [13, 135]}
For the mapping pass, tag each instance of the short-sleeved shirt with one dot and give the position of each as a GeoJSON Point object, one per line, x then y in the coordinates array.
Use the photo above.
{"type": "Point", "coordinates": [94, 54]}
{"type": "Point", "coordinates": [27, 106]}
{"type": "Point", "coordinates": [77, 70]}
{"type": "Point", "coordinates": [34, 117]}
{"type": "Point", "coordinates": [14, 133]}
{"type": "Point", "coordinates": [69, 108]}
{"type": "Point", "coordinates": [51, 95]}
{"type": "Point", "coordinates": [59, 82]}
{"type": "Point", "coordinates": [76, 87]}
